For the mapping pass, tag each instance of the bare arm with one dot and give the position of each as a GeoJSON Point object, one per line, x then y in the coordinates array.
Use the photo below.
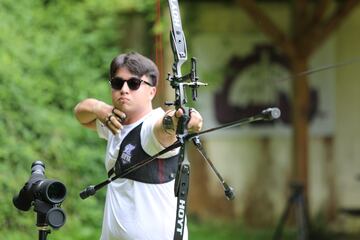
{"type": "Point", "coordinates": [88, 110]}
{"type": "Point", "coordinates": [167, 136]}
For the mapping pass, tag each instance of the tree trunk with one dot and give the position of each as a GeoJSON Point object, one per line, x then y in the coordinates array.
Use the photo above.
{"type": "Point", "coordinates": [300, 116]}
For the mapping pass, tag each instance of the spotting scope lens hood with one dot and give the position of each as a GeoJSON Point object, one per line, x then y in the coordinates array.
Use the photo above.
{"type": "Point", "coordinates": [50, 191]}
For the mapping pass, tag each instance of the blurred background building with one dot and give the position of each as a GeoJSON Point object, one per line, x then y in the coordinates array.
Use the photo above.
{"type": "Point", "coordinates": [248, 71]}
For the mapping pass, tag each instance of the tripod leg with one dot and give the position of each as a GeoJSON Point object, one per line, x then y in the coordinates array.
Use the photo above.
{"type": "Point", "coordinates": [284, 216]}
{"type": "Point", "coordinates": [301, 217]}
{"type": "Point", "coordinates": [296, 198]}
{"type": "Point", "coordinates": [43, 232]}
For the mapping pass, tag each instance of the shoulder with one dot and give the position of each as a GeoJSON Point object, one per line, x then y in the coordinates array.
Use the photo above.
{"type": "Point", "coordinates": [155, 114]}
{"type": "Point", "coordinates": [149, 142]}
{"type": "Point", "coordinates": [151, 119]}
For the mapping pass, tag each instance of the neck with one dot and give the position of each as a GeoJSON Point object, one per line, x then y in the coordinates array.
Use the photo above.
{"type": "Point", "coordinates": [133, 117]}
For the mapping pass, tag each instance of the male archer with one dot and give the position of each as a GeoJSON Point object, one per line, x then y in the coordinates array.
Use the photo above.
{"type": "Point", "coordinates": [141, 205]}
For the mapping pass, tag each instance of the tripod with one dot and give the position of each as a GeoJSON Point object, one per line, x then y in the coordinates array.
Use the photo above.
{"type": "Point", "coordinates": [43, 232]}
{"type": "Point", "coordinates": [45, 196]}
{"type": "Point", "coordinates": [48, 215]}
{"type": "Point", "coordinates": [297, 199]}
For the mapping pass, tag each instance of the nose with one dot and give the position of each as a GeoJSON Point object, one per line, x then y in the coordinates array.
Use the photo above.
{"type": "Point", "coordinates": [125, 88]}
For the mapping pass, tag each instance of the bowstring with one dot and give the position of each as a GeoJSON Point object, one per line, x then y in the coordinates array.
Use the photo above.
{"type": "Point", "coordinates": [319, 69]}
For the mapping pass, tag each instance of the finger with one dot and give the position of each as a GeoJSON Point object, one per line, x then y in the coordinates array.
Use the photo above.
{"type": "Point", "coordinates": [195, 128]}
{"type": "Point", "coordinates": [114, 132]}
{"type": "Point", "coordinates": [196, 121]}
{"type": "Point", "coordinates": [192, 110]}
{"type": "Point", "coordinates": [109, 126]}
{"type": "Point", "coordinates": [179, 113]}
{"type": "Point", "coordinates": [107, 119]}
{"type": "Point", "coordinates": [115, 123]}
{"type": "Point", "coordinates": [107, 122]}
{"type": "Point", "coordinates": [113, 129]}
{"type": "Point", "coordinates": [118, 114]}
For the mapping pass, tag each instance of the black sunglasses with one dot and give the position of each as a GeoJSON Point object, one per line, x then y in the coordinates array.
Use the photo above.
{"type": "Point", "coordinates": [133, 83]}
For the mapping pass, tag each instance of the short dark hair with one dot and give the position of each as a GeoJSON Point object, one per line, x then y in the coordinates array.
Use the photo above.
{"type": "Point", "coordinates": [137, 64]}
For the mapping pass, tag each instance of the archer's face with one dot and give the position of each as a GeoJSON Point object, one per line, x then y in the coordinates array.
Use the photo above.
{"type": "Point", "coordinates": [134, 103]}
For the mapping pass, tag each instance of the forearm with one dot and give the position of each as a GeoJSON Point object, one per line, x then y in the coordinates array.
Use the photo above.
{"type": "Point", "coordinates": [88, 110]}
{"type": "Point", "coordinates": [165, 131]}
{"type": "Point", "coordinates": [165, 136]}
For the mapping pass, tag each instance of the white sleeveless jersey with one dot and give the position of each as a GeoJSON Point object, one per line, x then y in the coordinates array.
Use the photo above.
{"type": "Point", "coordinates": [136, 210]}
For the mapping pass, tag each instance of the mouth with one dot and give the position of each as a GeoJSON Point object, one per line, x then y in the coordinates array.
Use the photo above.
{"type": "Point", "coordinates": [123, 100]}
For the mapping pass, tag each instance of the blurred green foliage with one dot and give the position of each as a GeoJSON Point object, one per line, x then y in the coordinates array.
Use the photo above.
{"type": "Point", "coordinates": [53, 54]}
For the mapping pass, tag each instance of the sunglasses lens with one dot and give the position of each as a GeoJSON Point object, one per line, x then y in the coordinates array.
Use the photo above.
{"type": "Point", "coordinates": [117, 83]}
{"type": "Point", "coordinates": [134, 83]}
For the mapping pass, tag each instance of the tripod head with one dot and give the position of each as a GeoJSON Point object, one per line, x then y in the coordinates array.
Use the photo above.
{"type": "Point", "coordinates": [45, 195]}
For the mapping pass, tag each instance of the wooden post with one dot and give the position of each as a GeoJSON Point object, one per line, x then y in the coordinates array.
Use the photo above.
{"type": "Point", "coordinates": [300, 116]}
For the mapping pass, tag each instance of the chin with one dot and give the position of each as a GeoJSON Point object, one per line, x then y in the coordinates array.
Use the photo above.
{"type": "Point", "coordinates": [121, 107]}
{"type": "Point", "coordinates": [124, 109]}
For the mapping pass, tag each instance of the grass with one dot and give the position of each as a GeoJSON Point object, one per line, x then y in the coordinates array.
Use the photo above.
{"type": "Point", "coordinates": [214, 230]}
{"type": "Point", "coordinates": [198, 230]}
{"type": "Point", "coordinates": [235, 231]}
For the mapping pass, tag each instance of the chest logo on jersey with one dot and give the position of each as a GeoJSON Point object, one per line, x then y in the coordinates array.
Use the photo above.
{"type": "Point", "coordinates": [127, 153]}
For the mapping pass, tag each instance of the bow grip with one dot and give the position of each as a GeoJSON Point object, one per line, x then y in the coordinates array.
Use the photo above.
{"type": "Point", "coordinates": [183, 121]}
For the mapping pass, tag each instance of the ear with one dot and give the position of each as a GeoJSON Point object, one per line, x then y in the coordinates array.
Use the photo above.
{"type": "Point", "coordinates": [152, 93]}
